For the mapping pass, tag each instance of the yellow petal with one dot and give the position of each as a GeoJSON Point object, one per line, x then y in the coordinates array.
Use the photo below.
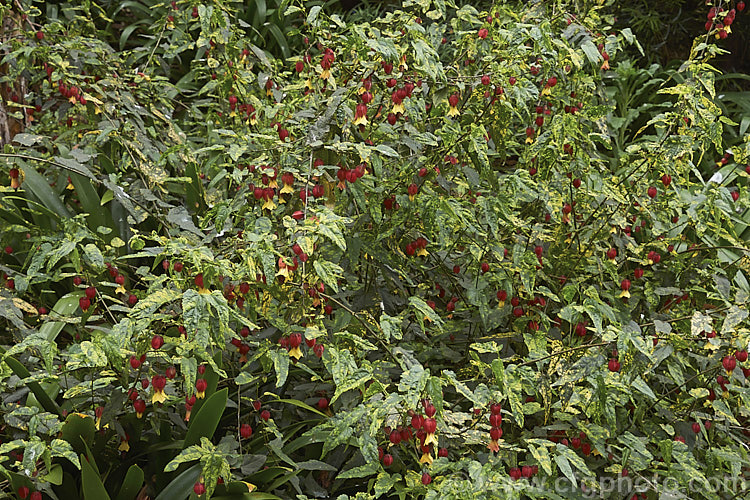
{"type": "Point", "coordinates": [422, 252]}
{"type": "Point", "coordinates": [287, 189]}
{"type": "Point", "coordinates": [430, 439]}
{"type": "Point", "coordinates": [362, 120]}
{"type": "Point", "coordinates": [295, 353]}
{"type": "Point", "coordinates": [625, 294]}
{"type": "Point", "coordinates": [124, 446]}
{"type": "Point", "coordinates": [399, 108]}
{"type": "Point", "coordinates": [426, 459]}
{"type": "Point", "coordinates": [120, 289]}
{"type": "Point", "coordinates": [283, 272]}
{"type": "Point", "coordinates": [453, 111]}
{"type": "Point", "coordinates": [273, 184]}
{"type": "Point", "coordinates": [158, 397]}
{"type": "Point", "coordinates": [269, 204]}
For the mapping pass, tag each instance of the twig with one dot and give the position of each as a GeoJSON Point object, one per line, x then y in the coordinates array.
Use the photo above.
{"type": "Point", "coordinates": [364, 323]}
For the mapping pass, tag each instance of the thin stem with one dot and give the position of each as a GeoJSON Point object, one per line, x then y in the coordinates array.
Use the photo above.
{"type": "Point", "coordinates": [364, 323]}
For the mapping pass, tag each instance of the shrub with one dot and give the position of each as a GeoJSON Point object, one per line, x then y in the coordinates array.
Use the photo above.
{"type": "Point", "coordinates": [419, 258]}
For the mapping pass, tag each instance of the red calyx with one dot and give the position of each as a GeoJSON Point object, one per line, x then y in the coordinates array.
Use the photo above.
{"type": "Point", "coordinates": [157, 341]}
{"type": "Point", "coordinates": [246, 431]}
{"type": "Point", "coordinates": [430, 425]}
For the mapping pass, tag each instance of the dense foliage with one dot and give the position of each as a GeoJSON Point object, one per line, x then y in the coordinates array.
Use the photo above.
{"type": "Point", "coordinates": [442, 253]}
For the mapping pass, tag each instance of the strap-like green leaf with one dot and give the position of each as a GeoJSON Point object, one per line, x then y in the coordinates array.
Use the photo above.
{"type": "Point", "coordinates": [206, 420]}
{"type": "Point", "coordinates": [38, 186]}
{"type": "Point", "coordinates": [91, 483]}
{"type": "Point", "coordinates": [65, 306]}
{"type": "Point", "coordinates": [22, 373]}
{"type": "Point", "coordinates": [182, 486]}
{"type": "Point", "coordinates": [131, 484]}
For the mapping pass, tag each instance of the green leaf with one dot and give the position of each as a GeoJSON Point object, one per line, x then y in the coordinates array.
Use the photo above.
{"type": "Point", "coordinates": [90, 202]}
{"type": "Point", "coordinates": [361, 471]}
{"type": "Point", "coordinates": [538, 448]}
{"type": "Point", "coordinates": [462, 389]}
{"type": "Point", "coordinates": [386, 151]}
{"type": "Point", "coordinates": [63, 308]}
{"type": "Point", "coordinates": [391, 327]}
{"type": "Point", "coordinates": [385, 482]}
{"type": "Point", "coordinates": [592, 53]}
{"type": "Point", "coordinates": [280, 360]}
{"type": "Point", "coordinates": [334, 234]}
{"type": "Point", "coordinates": [354, 381]}
{"type": "Point", "coordinates": [39, 187]}
{"type": "Point", "coordinates": [734, 317]}
{"type": "Point", "coordinates": [206, 420]}
{"type": "Point", "coordinates": [298, 403]}
{"type": "Point", "coordinates": [276, 448]}
{"type": "Point", "coordinates": [131, 484]}
{"type": "Point", "coordinates": [55, 474]}
{"type": "Point", "coordinates": [425, 310]}
{"type": "Point", "coordinates": [643, 387]}
{"type": "Point", "coordinates": [640, 457]}
{"type": "Point", "coordinates": [21, 372]}
{"type": "Point", "coordinates": [190, 454]}
{"type": "Point", "coordinates": [94, 354]}
{"type": "Point", "coordinates": [93, 257]}
{"type": "Point", "coordinates": [312, 16]}
{"type": "Point", "coordinates": [78, 430]}
{"type": "Point", "coordinates": [316, 465]}
{"type": "Point", "coordinates": [566, 457]}
{"type": "Point", "coordinates": [182, 486]}
{"type": "Point", "coordinates": [329, 273]}
{"type": "Point", "coordinates": [565, 468]}
{"type": "Point", "coordinates": [27, 139]}
{"type": "Point", "coordinates": [91, 483]}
